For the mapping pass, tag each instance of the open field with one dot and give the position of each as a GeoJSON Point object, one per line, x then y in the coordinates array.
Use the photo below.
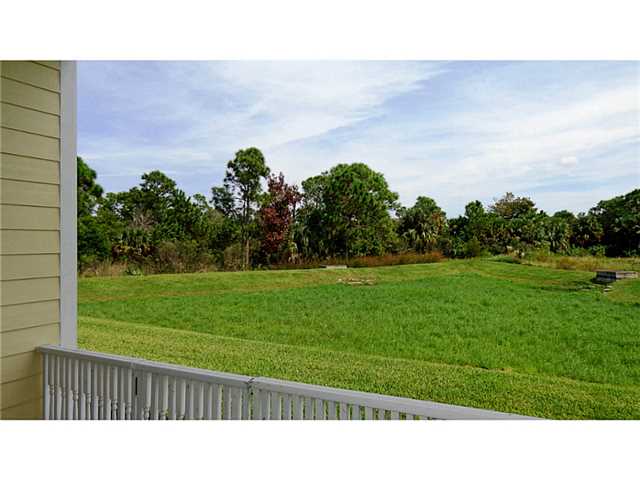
{"type": "Point", "coordinates": [482, 333]}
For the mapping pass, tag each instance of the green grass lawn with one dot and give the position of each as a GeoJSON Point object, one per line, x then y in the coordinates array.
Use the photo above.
{"type": "Point", "coordinates": [482, 333]}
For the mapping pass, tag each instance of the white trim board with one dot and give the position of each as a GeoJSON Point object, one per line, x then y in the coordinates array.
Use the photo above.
{"type": "Point", "coordinates": [68, 207]}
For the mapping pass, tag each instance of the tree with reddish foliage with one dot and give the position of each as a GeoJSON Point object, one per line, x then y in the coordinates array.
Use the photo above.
{"type": "Point", "coordinates": [277, 216]}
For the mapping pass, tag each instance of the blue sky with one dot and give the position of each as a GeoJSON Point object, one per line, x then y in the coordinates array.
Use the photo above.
{"type": "Point", "coordinates": [567, 134]}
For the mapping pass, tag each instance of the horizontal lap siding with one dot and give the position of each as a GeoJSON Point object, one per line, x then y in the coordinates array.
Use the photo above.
{"type": "Point", "coordinates": [22, 267]}
{"type": "Point", "coordinates": [15, 167]}
{"type": "Point", "coordinates": [21, 341]}
{"type": "Point", "coordinates": [29, 144]}
{"type": "Point", "coordinates": [24, 217]}
{"type": "Point", "coordinates": [30, 229]}
{"type": "Point", "coordinates": [21, 365]}
{"type": "Point", "coordinates": [30, 121]}
{"type": "Point", "coordinates": [22, 192]}
{"type": "Point", "coordinates": [25, 411]}
{"type": "Point", "coordinates": [28, 96]}
{"type": "Point", "coordinates": [25, 242]}
{"type": "Point", "coordinates": [20, 391]}
{"type": "Point", "coordinates": [26, 315]}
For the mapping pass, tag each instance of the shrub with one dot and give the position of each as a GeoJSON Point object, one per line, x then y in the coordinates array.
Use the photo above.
{"type": "Point", "coordinates": [232, 257]}
{"type": "Point", "coordinates": [473, 248]}
{"type": "Point", "coordinates": [182, 257]}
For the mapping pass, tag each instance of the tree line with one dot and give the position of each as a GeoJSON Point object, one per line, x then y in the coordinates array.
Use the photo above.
{"type": "Point", "coordinates": [346, 212]}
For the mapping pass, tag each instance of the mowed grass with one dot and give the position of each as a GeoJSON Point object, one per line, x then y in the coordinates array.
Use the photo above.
{"type": "Point", "coordinates": [524, 339]}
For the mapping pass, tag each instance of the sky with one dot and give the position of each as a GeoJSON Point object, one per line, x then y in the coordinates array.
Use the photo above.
{"type": "Point", "coordinates": [565, 134]}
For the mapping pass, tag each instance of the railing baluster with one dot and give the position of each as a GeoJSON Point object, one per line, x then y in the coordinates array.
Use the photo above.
{"type": "Point", "coordinates": [155, 398]}
{"type": "Point", "coordinates": [319, 409]}
{"type": "Point", "coordinates": [63, 388]}
{"type": "Point", "coordinates": [172, 398]}
{"type": "Point", "coordinates": [115, 392]}
{"type": "Point", "coordinates": [95, 391]}
{"type": "Point", "coordinates": [87, 383]}
{"type": "Point", "coordinates": [146, 398]}
{"type": "Point", "coordinates": [256, 411]}
{"type": "Point", "coordinates": [190, 400]}
{"type": "Point", "coordinates": [45, 386]}
{"type": "Point", "coordinates": [70, 388]}
{"type": "Point", "coordinates": [59, 387]}
{"type": "Point", "coordinates": [368, 413]}
{"type": "Point", "coordinates": [226, 403]}
{"type": "Point", "coordinates": [286, 407]}
{"type": "Point", "coordinates": [122, 393]}
{"type": "Point", "coordinates": [265, 410]}
{"type": "Point", "coordinates": [331, 407]}
{"type": "Point", "coordinates": [208, 401]}
{"type": "Point", "coordinates": [298, 407]}
{"type": "Point", "coordinates": [128, 408]}
{"type": "Point", "coordinates": [82, 389]}
{"type": "Point", "coordinates": [181, 398]}
{"type": "Point", "coordinates": [164, 397]}
{"type": "Point", "coordinates": [136, 398]}
{"type": "Point", "coordinates": [308, 408]}
{"type": "Point", "coordinates": [236, 404]}
{"type": "Point", "coordinates": [51, 389]}
{"type": "Point", "coordinates": [246, 403]}
{"type": "Point", "coordinates": [274, 407]}
{"type": "Point", "coordinates": [217, 402]}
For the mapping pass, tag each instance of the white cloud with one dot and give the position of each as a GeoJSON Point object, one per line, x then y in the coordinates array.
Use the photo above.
{"type": "Point", "coordinates": [569, 161]}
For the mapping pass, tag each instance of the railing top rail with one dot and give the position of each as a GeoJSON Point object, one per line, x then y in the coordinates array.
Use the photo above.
{"type": "Point", "coordinates": [407, 405]}
{"type": "Point", "coordinates": [422, 408]}
{"type": "Point", "coordinates": [179, 371]}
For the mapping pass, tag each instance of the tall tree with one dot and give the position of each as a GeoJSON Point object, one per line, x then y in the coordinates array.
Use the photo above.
{"type": "Point", "coordinates": [510, 206]}
{"type": "Point", "coordinates": [93, 242]}
{"type": "Point", "coordinates": [348, 208]}
{"type": "Point", "coordinates": [241, 192]}
{"type": "Point", "coordinates": [620, 220]}
{"type": "Point", "coordinates": [422, 225]}
{"type": "Point", "coordinates": [277, 215]}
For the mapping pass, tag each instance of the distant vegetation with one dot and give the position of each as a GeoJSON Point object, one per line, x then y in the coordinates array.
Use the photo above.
{"type": "Point", "coordinates": [348, 214]}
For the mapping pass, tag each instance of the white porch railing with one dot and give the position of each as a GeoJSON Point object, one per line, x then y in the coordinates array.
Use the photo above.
{"type": "Point", "coordinates": [84, 385]}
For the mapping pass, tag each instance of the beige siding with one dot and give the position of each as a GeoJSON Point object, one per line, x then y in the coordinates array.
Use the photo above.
{"type": "Point", "coordinates": [20, 192]}
{"type": "Point", "coordinates": [31, 290]}
{"type": "Point", "coordinates": [26, 315]}
{"type": "Point", "coordinates": [32, 73]}
{"type": "Point", "coordinates": [20, 391]}
{"type": "Point", "coordinates": [20, 118]}
{"type": "Point", "coordinates": [22, 341]}
{"type": "Point", "coordinates": [28, 96]}
{"type": "Point", "coordinates": [20, 217]}
{"type": "Point", "coordinates": [13, 167]}
{"type": "Point", "coordinates": [22, 365]}
{"type": "Point", "coordinates": [29, 242]}
{"type": "Point", "coordinates": [22, 267]}
{"type": "Point", "coordinates": [47, 63]}
{"type": "Point", "coordinates": [29, 229]}
{"type": "Point", "coordinates": [25, 411]}
{"type": "Point", "coordinates": [29, 144]}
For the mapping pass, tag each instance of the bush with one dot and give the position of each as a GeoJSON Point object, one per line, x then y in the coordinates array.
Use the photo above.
{"type": "Point", "coordinates": [232, 257]}
{"type": "Point", "coordinates": [473, 248]}
{"type": "Point", "coordinates": [182, 257]}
